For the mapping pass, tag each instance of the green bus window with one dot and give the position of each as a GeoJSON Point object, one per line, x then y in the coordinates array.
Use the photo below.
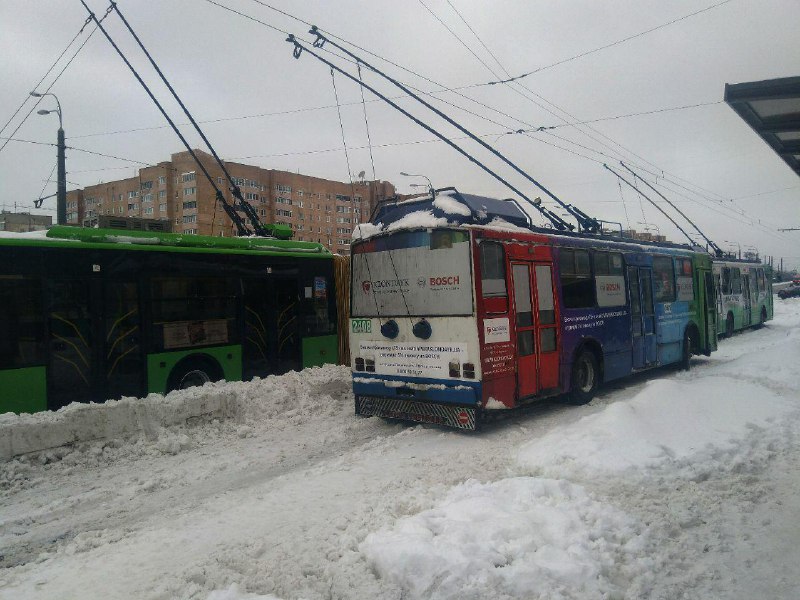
{"type": "Point", "coordinates": [22, 324]}
{"type": "Point", "coordinates": [664, 278]}
{"type": "Point", "coordinates": [726, 280]}
{"type": "Point", "coordinates": [736, 281]}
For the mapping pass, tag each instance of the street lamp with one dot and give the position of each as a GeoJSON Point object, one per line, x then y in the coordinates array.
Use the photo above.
{"type": "Point", "coordinates": [61, 194]}
{"type": "Point", "coordinates": [648, 226]}
{"type": "Point", "coordinates": [737, 244]}
{"type": "Point", "coordinates": [430, 185]}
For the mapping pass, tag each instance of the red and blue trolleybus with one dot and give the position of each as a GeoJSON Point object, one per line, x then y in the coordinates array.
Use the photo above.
{"type": "Point", "coordinates": [459, 307]}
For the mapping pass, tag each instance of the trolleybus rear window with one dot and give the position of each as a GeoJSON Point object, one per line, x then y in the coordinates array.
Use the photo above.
{"type": "Point", "coordinates": [422, 273]}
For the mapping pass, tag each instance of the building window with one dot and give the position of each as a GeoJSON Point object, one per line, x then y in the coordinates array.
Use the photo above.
{"type": "Point", "coordinates": [282, 200]}
{"type": "Point", "coordinates": [133, 207]}
{"type": "Point", "coordinates": [342, 198]}
{"type": "Point", "coordinates": [147, 198]}
{"type": "Point", "coordinates": [162, 208]}
{"type": "Point", "coordinates": [283, 188]}
{"type": "Point", "coordinates": [250, 196]}
{"type": "Point", "coordinates": [283, 213]}
{"type": "Point", "coordinates": [162, 180]}
{"type": "Point", "coordinates": [133, 194]}
{"type": "Point", "coordinates": [186, 177]}
{"type": "Point", "coordinates": [147, 185]}
{"type": "Point", "coordinates": [189, 191]}
{"type": "Point", "coordinates": [189, 205]}
{"type": "Point", "coordinates": [162, 194]}
{"type": "Point", "coordinates": [148, 210]}
{"type": "Point", "coordinates": [190, 231]}
{"type": "Point", "coordinates": [190, 218]}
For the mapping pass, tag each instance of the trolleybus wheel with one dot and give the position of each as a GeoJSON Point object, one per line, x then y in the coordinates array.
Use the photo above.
{"type": "Point", "coordinates": [585, 378]}
{"type": "Point", "coordinates": [192, 372]}
{"type": "Point", "coordinates": [729, 326]}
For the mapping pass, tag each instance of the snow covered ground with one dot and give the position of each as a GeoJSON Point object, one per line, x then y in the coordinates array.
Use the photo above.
{"type": "Point", "coordinates": [675, 485]}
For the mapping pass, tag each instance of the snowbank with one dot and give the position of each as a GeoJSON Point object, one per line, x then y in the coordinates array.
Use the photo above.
{"type": "Point", "coordinates": [668, 421]}
{"type": "Point", "coordinates": [132, 417]}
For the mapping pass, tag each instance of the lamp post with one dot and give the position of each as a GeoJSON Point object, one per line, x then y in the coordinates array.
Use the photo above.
{"type": "Point", "coordinates": [430, 185]}
{"type": "Point", "coordinates": [61, 194]}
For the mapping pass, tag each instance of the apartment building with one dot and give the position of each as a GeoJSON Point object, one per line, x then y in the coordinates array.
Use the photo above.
{"type": "Point", "coordinates": [177, 190]}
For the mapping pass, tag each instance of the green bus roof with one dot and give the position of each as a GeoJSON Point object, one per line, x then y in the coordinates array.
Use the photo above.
{"type": "Point", "coordinates": [124, 239]}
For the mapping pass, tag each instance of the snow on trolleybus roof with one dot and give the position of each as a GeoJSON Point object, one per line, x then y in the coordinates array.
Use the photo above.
{"type": "Point", "coordinates": [451, 208]}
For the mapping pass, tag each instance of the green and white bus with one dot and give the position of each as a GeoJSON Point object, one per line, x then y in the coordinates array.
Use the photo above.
{"type": "Point", "coordinates": [744, 294]}
{"type": "Point", "coordinates": [96, 314]}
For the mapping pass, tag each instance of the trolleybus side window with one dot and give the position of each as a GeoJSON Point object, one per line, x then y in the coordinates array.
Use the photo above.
{"type": "Point", "coordinates": [547, 313]}
{"type": "Point", "coordinates": [664, 276]}
{"type": "Point", "coordinates": [726, 280]}
{"type": "Point", "coordinates": [609, 279]}
{"type": "Point", "coordinates": [493, 277]}
{"type": "Point", "coordinates": [736, 281]}
{"type": "Point", "coordinates": [762, 285]}
{"type": "Point", "coordinates": [685, 282]}
{"type": "Point", "coordinates": [576, 278]}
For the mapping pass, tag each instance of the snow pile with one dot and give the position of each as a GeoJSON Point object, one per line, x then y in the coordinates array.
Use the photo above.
{"type": "Point", "coordinates": [297, 397]}
{"type": "Point", "coordinates": [514, 538]}
{"type": "Point", "coordinates": [449, 205]}
{"type": "Point", "coordinates": [669, 421]}
{"type": "Point", "coordinates": [418, 218]}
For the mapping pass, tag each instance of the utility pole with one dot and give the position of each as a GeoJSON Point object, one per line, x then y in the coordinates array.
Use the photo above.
{"type": "Point", "coordinates": [61, 195]}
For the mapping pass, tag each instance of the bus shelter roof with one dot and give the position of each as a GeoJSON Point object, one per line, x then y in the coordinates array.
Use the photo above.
{"type": "Point", "coordinates": [772, 109]}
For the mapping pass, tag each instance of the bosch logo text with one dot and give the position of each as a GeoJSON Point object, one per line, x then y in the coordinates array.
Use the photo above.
{"type": "Point", "coordinates": [448, 280]}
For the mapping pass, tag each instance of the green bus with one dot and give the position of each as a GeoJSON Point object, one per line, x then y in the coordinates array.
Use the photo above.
{"type": "Point", "coordinates": [97, 314]}
{"type": "Point", "coordinates": [744, 294]}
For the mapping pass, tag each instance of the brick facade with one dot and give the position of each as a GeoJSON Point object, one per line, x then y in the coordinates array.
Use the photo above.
{"type": "Point", "coordinates": [318, 210]}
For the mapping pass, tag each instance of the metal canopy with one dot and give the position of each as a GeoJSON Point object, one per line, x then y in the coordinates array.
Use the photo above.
{"type": "Point", "coordinates": [772, 109]}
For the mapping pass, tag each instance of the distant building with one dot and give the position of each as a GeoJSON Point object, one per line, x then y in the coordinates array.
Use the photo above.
{"type": "Point", "coordinates": [21, 222]}
{"type": "Point", "coordinates": [318, 210]}
{"type": "Point", "coordinates": [644, 236]}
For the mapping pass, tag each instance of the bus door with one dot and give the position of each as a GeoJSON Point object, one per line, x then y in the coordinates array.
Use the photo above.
{"type": "Point", "coordinates": [536, 329]}
{"type": "Point", "coordinates": [710, 308]}
{"type": "Point", "coordinates": [71, 375]}
{"type": "Point", "coordinates": [643, 334]}
{"type": "Point", "coordinates": [746, 299]}
{"type": "Point", "coordinates": [122, 364]}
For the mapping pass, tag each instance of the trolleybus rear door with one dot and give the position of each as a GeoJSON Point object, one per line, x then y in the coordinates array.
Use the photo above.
{"type": "Point", "coordinates": [536, 329]}
{"type": "Point", "coordinates": [643, 336]}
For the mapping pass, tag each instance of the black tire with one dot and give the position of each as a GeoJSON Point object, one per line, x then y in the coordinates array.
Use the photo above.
{"type": "Point", "coordinates": [729, 326]}
{"type": "Point", "coordinates": [688, 349]}
{"type": "Point", "coordinates": [193, 371]}
{"type": "Point", "coordinates": [585, 379]}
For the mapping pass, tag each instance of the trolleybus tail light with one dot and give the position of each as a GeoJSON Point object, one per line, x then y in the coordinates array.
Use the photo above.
{"type": "Point", "coordinates": [359, 364]}
{"type": "Point", "coordinates": [455, 369]}
{"type": "Point", "coordinates": [469, 370]}
{"type": "Point", "coordinates": [390, 329]}
{"type": "Point", "coordinates": [369, 365]}
{"type": "Point", "coordinates": [422, 329]}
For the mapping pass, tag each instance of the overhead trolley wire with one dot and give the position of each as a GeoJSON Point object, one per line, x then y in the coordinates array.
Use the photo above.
{"type": "Point", "coordinates": [611, 45]}
{"type": "Point", "coordinates": [55, 62]}
{"type": "Point", "coordinates": [52, 83]}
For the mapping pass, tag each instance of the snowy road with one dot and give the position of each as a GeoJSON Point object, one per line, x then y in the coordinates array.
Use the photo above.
{"type": "Point", "coordinates": [680, 485]}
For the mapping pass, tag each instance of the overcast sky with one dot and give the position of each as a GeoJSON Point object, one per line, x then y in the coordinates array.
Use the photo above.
{"type": "Point", "coordinates": [277, 112]}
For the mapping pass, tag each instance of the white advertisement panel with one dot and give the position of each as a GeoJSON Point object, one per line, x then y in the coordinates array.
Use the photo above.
{"type": "Point", "coordinates": [417, 281]}
{"type": "Point", "coordinates": [413, 359]}
{"type": "Point", "coordinates": [610, 290]}
{"type": "Point", "coordinates": [685, 289]}
{"type": "Point", "coordinates": [496, 330]}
